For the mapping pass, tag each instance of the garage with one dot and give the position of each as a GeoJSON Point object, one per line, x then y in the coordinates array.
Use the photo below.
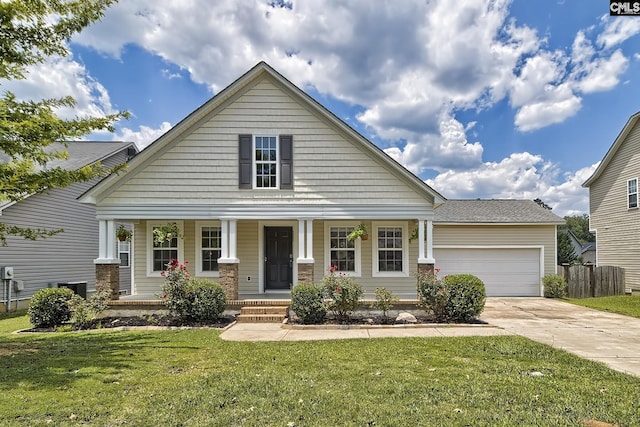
{"type": "Point", "coordinates": [504, 271]}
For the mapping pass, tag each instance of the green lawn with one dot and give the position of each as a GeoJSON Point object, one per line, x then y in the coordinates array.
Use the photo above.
{"type": "Point", "coordinates": [193, 378]}
{"type": "Point", "coordinates": [621, 304]}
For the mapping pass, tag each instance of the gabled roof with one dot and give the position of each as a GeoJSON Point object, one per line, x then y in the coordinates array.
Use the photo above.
{"type": "Point", "coordinates": [613, 149]}
{"type": "Point", "coordinates": [588, 246]}
{"type": "Point", "coordinates": [494, 211]}
{"type": "Point", "coordinates": [218, 102]}
{"type": "Point", "coordinates": [81, 153]}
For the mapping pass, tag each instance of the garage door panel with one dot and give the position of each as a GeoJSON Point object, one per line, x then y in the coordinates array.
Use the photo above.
{"type": "Point", "coordinates": [505, 272]}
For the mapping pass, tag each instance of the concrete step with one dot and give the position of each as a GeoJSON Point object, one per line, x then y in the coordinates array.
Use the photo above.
{"type": "Point", "coordinates": [280, 310]}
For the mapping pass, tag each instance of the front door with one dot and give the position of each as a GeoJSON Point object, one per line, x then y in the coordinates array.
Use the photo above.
{"type": "Point", "coordinates": [278, 257]}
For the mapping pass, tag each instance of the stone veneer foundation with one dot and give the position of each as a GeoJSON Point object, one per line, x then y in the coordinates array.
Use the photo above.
{"type": "Point", "coordinates": [108, 278]}
{"type": "Point", "coordinates": [229, 280]}
{"type": "Point", "coordinates": [305, 273]}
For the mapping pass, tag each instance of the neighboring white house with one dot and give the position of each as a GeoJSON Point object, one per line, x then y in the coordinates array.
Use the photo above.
{"type": "Point", "coordinates": [266, 184]}
{"type": "Point", "coordinates": [614, 209]}
{"type": "Point", "coordinates": [68, 256]}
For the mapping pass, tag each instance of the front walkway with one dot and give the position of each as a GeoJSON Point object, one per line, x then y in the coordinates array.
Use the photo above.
{"type": "Point", "coordinates": [275, 332]}
{"type": "Point", "coordinates": [596, 335]}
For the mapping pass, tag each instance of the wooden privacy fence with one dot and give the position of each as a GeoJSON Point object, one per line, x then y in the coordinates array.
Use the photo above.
{"type": "Point", "coordinates": [585, 281]}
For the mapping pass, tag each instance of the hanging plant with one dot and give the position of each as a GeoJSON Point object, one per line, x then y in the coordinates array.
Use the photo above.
{"type": "Point", "coordinates": [360, 232]}
{"type": "Point", "coordinates": [122, 234]}
{"type": "Point", "coordinates": [166, 233]}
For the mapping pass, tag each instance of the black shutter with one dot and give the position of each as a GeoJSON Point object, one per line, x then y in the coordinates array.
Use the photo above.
{"type": "Point", "coordinates": [286, 162]}
{"type": "Point", "coordinates": [245, 165]}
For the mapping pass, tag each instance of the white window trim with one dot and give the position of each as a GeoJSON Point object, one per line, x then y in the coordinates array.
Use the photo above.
{"type": "Point", "coordinates": [327, 248]}
{"type": "Point", "coordinates": [129, 252]}
{"type": "Point", "coordinates": [253, 161]}
{"type": "Point", "coordinates": [198, 245]}
{"type": "Point", "coordinates": [374, 249]}
{"type": "Point", "coordinates": [150, 225]}
{"type": "Point", "coordinates": [629, 194]}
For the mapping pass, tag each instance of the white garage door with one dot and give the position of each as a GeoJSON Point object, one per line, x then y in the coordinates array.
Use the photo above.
{"type": "Point", "coordinates": [505, 272]}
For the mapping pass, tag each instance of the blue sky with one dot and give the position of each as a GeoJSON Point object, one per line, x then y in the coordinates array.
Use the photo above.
{"type": "Point", "coordinates": [489, 99]}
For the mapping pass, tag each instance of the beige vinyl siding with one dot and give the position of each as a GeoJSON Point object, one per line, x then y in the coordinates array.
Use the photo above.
{"type": "Point", "coordinates": [203, 166]}
{"type": "Point", "coordinates": [248, 255]}
{"type": "Point", "coordinates": [617, 226]}
{"type": "Point", "coordinates": [65, 257]}
{"type": "Point", "coordinates": [500, 235]}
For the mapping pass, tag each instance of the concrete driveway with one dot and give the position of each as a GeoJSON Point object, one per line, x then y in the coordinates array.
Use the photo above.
{"type": "Point", "coordinates": [604, 337]}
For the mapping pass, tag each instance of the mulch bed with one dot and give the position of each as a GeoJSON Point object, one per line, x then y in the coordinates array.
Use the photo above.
{"type": "Point", "coordinates": [147, 320]}
{"type": "Point", "coordinates": [375, 320]}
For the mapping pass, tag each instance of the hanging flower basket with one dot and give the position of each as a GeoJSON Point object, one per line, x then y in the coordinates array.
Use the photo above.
{"type": "Point", "coordinates": [360, 232]}
{"type": "Point", "coordinates": [122, 234]}
{"type": "Point", "coordinates": [166, 233]}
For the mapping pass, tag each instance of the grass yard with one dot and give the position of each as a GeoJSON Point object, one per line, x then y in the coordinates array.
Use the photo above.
{"type": "Point", "coordinates": [621, 304]}
{"type": "Point", "coordinates": [193, 378]}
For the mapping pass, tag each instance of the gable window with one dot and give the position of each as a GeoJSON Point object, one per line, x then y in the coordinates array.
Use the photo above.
{"type": "Point", "coordinates": [266, 162]}
{"type": "Point", "coordinates": [632, 193]}
{"type": "Point", "coordinates": [208, 248]}
{"type": "Point", "coordinates": [341, 252]}
{"type": "Point", "coordinates": [124, 252]}
{"type": "Point", "coordinates": [390, 255]}
{"type": "Point", "coordinates": [159, 254]}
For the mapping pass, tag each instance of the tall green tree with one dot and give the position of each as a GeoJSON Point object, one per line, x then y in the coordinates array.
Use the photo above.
{"type": "Point", "coordinates": [579, 226]}
{"type": "Point", "coordinates": [31, 31]}
{"type": "Point", "coordinates": [566, 252]}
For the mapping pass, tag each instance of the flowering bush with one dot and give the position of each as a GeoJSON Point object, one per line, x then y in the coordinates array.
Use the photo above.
{"type": "Point", "coordinates": [455, 298]}
{"type": "Point", "coordinates": [308, 304]}
{"type": "Point", "coordinates": [342, 292]}
{"type": "Point", "coordinates": [189, 298]}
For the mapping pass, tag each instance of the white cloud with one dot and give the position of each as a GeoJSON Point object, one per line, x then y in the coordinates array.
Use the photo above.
{"type": "Point", "coordinates": [61, 77]}
{"type": "Point", "coordinates": [520, 176]}
{"type": "Point", "coordinates": [142, 137]}
{"type": "Point", "coordinates": [617, 31]}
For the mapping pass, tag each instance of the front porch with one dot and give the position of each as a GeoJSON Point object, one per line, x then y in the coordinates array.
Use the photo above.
{"type": "Point", "coordinates": [261, 260]}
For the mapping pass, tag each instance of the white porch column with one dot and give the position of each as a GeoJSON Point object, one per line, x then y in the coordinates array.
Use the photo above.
{"type": "Point", "coordinates": [229, 241]}
{"type": "Point", "coordinates": [425, 232]}
{"type": "Point", "coordinates": [106, 243]}
{"type": "Point", "coordinates": [430, 259]}
{"type": "Point", "coordinates": [309, 254]}
{"type": "Point", "coordinates": [305, 241]}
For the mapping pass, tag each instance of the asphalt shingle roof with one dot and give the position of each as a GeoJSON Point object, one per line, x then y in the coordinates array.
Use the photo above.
{"type": "Point", "coordinates": [494, 211]}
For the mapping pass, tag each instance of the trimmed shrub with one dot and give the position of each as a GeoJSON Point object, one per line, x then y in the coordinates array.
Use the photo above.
{"type": "Point", "coordinates": [385, 299]}
{"type": "Point", "coordinates": [467, 296]}
{"type": "Point", "coordinates": [454, 298]}
{"type": "Point", "coordinates": [191, 299]}
{"type": "Point", "coordinates": [554, 286]}
{"type": "Point", "coordinates": [308, 303]}
{"type": "Point", "coordinates": [343, 294]}
{"type": "Point", "coordinates": [50, 307]}
{"type": "Point", "coordinates": [208, 300]}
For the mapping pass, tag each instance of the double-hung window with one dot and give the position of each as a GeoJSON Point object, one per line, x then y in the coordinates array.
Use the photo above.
{"type": "Point", "coordinates": [632, 193]}
{"type": "Point", "coordinates": [124, 253]}
{"type": "Point", "coordinates": [265, 162]}
{"type": "Point", "coordinates": [159, 254]}
{"type": "Point", "coordinates": [390, 254]}
{"type": "Point", "coordinates": [342, 253]}
{"type": "Point", "coordinates": [208, 248]}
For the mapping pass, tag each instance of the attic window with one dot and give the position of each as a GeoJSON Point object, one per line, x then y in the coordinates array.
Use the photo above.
{"type": "Point", "coordinates": [632, 193]}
